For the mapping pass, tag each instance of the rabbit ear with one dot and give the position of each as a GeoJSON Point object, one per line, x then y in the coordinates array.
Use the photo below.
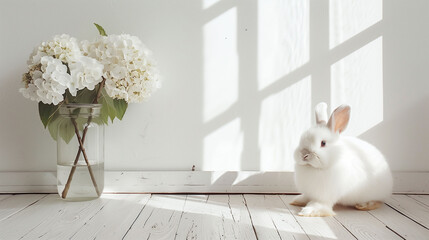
{"type": "Point", "coordinates": [321, 113]}
{"type": "Point", "coordinates": [339, 118]}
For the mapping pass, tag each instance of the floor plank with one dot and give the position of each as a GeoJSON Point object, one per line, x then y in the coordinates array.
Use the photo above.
{"type": "Point", "coordinates": [413, 209]}
{"type": "Point", "coordinates": [264, 226]}
{"type": "Point", "coordinates": [216, 216]}
{"type": "Point", "coordinates": [115, 218]}
{"type": "Point", "coordinates": [49, 218]}
{"type": "Point", "coordinates": [399, 223]}
{"type": "Point", "coordinates": [271, 219]}
{"type": "Point", "coordinates": [4, 196]}
{"type": "Point", "coordinates": [208, 217]}
{"type": "Point", "coordinates": [241, 216]}
{"type": "Point", "coordinates": [13, 204]}
{"type": "Point", "coordinates": [318, 227]}
{"type": "Point", "coordinates": [283, 218]}
{"type": "Point", "coordinates": [363, 225]}
{"type": "Point", "coordinates": [192, 219]}
{"type": "Point", "coordinates": [233, 224]}
{"type": "Point", "coordinates": [159, 218]}
{"type": "Point", "coordinates": [222, 220]}
{"type": "Point", "coordinates": [421, 198]}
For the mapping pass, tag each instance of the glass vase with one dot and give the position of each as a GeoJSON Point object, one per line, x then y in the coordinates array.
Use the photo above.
{"type": "Point", "coordinates": [80, 152]}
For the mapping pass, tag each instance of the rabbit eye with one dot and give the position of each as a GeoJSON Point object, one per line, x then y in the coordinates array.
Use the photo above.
{"type": "Point", "coordinates": [323, 143]}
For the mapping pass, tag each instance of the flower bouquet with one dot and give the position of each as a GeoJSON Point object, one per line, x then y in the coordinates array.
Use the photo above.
{"type": "Point", "coordinates": [80, 86]}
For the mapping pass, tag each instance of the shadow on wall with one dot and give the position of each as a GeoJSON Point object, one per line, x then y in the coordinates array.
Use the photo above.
{"type": "Point", "coordinates": [290, 55]}
{"type": "Point", "coordinates": [392, 134]}
{"type": "Point", "coordinates": [241, 80]}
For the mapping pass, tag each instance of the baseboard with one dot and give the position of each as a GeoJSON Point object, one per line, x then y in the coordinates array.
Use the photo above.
{"type": "Point", "coordinates": [191, 182]}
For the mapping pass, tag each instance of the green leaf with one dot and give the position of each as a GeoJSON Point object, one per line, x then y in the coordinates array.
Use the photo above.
{"type": "Point", "coordinates": [47, 112]}
{"type": "Point", "coordinates": [81, 123]}
{"type": "Point", "coordinates": [85, 96]}
{"type": "Point", "coordinates": [62, 127]}
{"type": "Point", "coordinates": [53, 128]}
{"type": "Point", "coordinates": [100, 121]}
{"type": "Point", "coordinates": [120, 107]}
{"type": "Point", "coordinates": [108, 107]}
{"type": "Point", "coordinates": [100, 29]}
{"type": "Point", "coordinates": [66, 130]}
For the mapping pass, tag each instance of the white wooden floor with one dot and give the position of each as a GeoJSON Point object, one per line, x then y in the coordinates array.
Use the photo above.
{"type": "Point", "coordinates": [144, 216]}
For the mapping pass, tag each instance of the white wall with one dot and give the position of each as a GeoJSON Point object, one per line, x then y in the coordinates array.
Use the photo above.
{"type": "Point", "coordinates": [240, 79]}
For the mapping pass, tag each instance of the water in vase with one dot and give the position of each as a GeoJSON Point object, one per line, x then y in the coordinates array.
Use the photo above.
{"type": "Point", "coordinates": [82, 185]}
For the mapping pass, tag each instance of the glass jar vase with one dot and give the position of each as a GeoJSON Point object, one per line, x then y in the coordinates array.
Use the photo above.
{"type": "Point", "coordinates": [80, 152]}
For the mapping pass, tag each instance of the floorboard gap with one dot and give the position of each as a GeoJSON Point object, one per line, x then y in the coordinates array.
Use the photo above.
{"type": "Point", "coordinates": [345, 228]}
{"type": "Point", "coordinates": [399, 235]}
{"type": "Point", "coordinates": [293, 215]}
{"type": "Point", "coordinates": [420, 202]}
{"type": "Point", "coordinates": [180, 219]}
{"type": "Point", "coordinates": [138, 215]}
{"type": "Point", "coordinates": [29, 205]}
{"type": "Point", "coordinates": [251, 220]}
{"type": "Point", "coordinates": [407, 216]}
{"type": "Point", "coordinates": [81, 227]}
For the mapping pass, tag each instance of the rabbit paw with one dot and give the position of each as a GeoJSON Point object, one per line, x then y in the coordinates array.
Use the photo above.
{"type": "Point", "coordinates": [316, 210]}
{"type": "Point", "coordinates": [371, 205]}
{"type": "Point", "coordinates": [299, 201]}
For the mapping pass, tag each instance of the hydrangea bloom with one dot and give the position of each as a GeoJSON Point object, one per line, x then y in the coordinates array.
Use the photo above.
{"type": "Point", "coordinates": [46, 81]}
{"type": "Point", "coordinates": [85, 73]}
{"type": "Point", "coordinates": [62, 47]}
{"type": "Point", "coordinates": [57, 65]}
{"type": "Point", "coordinates": [129, 70]}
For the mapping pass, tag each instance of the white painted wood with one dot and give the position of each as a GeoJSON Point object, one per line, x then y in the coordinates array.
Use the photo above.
{"type": "Point", "coordinates": [318, 227]}
{"type": "Point", "coordinates": [191, 182]}
{"type": "Point", "coordinates": [283, 218]}
{"type": "Point", "coordinates": [401, 224]}
{"type": "Point", "coordinates": [4, 196]}
{"type": "Point", "coordinates": [215, 217]}
{"type": "Point", "coordinates": [28, 189]}
{"type": "Point", "coordinates": [49, 218]}
{"type": "Point", "coordinates": [192, 219]}
{"type": "Point", "coordinates": [28, 182]}
{"type": "Point", "coordinates": [222, 222]}
{"type": "Point", "coordinates": [159, 218]}
{"type": "Point", "coordinates": [141, 216]}
{"type": "Point", "coordinates": [363, 225]}
{"type": "Point", "coordinates": [271, 219]}
{"type": "Point", "coordinates": [115, 219]}
{"type": "Point", "coordinates": [241, 216]}
{"type": "Point", "coordinates": [421, 198]}
{"type": "Point", "coordinates": [264, 227]}
{"type": "Point", "coordinates": [14, 204]}
{"type": "Point", "coordinates": [199, 182]}
{"type": "Point", "coordinates": [408, 206]}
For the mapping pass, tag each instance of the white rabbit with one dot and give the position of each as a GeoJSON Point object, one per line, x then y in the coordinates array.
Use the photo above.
{"type": "Point", "coordinates": [331, 169]}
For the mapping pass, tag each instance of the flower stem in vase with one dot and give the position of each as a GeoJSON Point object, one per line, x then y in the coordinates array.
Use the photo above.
{"type": "Point", "coordinates": [82, 149]}
{"type": "Point", "coordinates": [67, 186]}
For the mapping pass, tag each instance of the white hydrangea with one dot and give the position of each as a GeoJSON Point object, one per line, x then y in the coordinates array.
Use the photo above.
{"type": "Point", "coordinates": [47, 81]}
{"type": "Point", "coordinates": [129, 70]}
{"type": "Point", "coordinates": [57, 65]}
{"type": "Point", "coordinates": [62, 47]}
{"type": "Point", "coordinates": [85, 73]}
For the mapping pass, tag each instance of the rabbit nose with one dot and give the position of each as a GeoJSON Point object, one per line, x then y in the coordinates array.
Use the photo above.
{"type": "Point", "coordinates": [305, 154]}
